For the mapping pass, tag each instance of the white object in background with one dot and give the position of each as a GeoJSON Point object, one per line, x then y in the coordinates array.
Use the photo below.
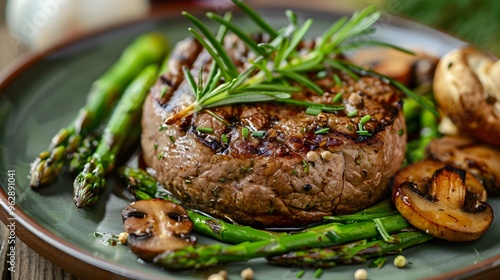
{"type": "Point", "coordinates": [39, 24]}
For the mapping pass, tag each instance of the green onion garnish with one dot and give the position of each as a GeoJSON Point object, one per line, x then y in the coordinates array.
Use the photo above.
{"type": "Point", "coordinates": [245, 132]}
{"type": "Point", "coordinates": [313, 111]}
{"type": "Point", "coordinates": [352, 113]}
{"type": "Point", "coordinates": [259, 133]}
{"type": "Point", "coordinates": [322, 131]}
{"type": "Point", "coordinates": [224, 139]}
{"type": "Point", "coordinates": [300, 273]}
{"type": "Point", "coordinates": [337, 98]}
{"type": "Point", "coordinates": [365, 119]}
{"type": "Point", "coordinates": [205, 129]}
{"type": "Point", "coordinates": [305, 165]}
{"type": "Point", "coordinates": [337, 80]}
{"type": "Point", "coordinates": [363, 133]}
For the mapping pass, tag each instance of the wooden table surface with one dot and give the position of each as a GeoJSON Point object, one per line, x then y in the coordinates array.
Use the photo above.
{"type": "Point", "coordinates": [29, 264]}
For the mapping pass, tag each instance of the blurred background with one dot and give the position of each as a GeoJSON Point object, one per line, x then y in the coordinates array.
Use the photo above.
{"type": "Point", "coordinates": [45, 22]}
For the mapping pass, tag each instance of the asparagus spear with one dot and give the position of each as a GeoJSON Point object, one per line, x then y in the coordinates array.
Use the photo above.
{"type": "Point", "coordinates": [428, 131]}
{"type": "Point", "coordinates": [125, 118]}
{"type": "Point", "coordinates": [79, 156]}
{"type": "Point", "coordinates": [144, 186]}
{"type": "Point", "coordinates": [145, 50]}
{"type": "Point", "coordinates": [204, 256]}
{"type": "Point", "coordinates": [354, 252]}
{"type": "Point", "coordinates": [379, 210]}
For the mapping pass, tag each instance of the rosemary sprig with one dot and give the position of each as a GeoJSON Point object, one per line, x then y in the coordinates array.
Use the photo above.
{"type": "Point", "coordinates": [279, 69]}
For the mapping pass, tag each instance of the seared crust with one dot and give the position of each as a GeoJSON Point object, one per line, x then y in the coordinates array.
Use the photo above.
{"type": "Point", "coordinates": [289, 177]}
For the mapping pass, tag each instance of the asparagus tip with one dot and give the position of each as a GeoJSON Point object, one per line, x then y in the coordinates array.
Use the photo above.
{"type": "Point", "coordinates": [88, 184]}
{"type": "Point", "coordinates": [43, 170]}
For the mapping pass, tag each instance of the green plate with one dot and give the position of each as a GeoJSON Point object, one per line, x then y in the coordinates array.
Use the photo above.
{"type": "Point", "coordinates": [44, 92]}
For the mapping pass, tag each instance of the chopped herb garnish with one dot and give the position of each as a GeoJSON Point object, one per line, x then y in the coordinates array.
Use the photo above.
{"type": "Point", "coordinates": [378, 262]}
{"type": "Point", "coordinates": [361, 130]}
{"type": "Point", "coordinates": [259, 133]}
{"type": "Point", "coordinates": [224, 139]}
{"type": "Point", "coordinates": [305, 165]}
{"type": "Point", "coordinates": [322, 131]}
{"type": "Point", "coordinates": [205, 129]}
{"type": "Point", "coordinates": [363, 133]}
{"type": "Point", "coordinates": [300, 273]}
{"type": "Point", "coordinates": [107, 238]}
{"type": "Point", "coordinates": [365, 119]}
{"type": "Point", "coordinates": [337, 80]}
{"type": "Point", "coordinates": [277, 63]}
{"type": "Point", "coordinates": [245, 132]}
{"type": "Point", "coordinates": [172, 138]}
{"type": "Point", "coordinates": [313, 111]}
{"type": "Point", "coordinates": [357, 160]}
{"type": "Point", "coordinates": [162, 127]}
{"type": "Point", "coordinates": [353, 113]}
{"type": "Point", "coordinates": [401, 132]}
{"type": "Point", "coordinates": [337, 98]}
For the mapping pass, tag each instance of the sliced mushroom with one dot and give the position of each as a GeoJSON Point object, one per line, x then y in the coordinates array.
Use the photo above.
{"type": "Point", "coordinates": [420, 174]}
{"type": "Point", "coordinates": [467, 91]}
{"type": "Point", "coordinates": [445, 210]}
{"type": "Point", "coordinates": [156, 226]}
{"type": "Point", "coordinates": [481, 160]}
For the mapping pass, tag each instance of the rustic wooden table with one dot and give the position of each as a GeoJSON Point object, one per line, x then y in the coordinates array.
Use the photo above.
{"type": "Point", "coordinates": [29, 264]}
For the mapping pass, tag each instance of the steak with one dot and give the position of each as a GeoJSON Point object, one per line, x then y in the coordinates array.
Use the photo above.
{"type": "Point", "coordinates": [291, 176]}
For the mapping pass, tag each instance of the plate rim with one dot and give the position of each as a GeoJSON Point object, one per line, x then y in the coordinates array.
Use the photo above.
{"type": "Point", "coordinates": [66, 254]}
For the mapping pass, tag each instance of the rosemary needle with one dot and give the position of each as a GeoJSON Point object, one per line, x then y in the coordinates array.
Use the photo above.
{"type": "Point", "coordinates": [279, 68]}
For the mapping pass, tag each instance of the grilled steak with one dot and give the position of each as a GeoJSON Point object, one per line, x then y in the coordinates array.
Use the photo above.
{"type": "Point", "coordinates": [291, 175]}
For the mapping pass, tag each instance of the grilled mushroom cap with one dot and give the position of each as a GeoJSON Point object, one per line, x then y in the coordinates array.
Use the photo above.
{"type": "Point", "coordinates": [156, 226]}
{"type": "Point", "coordinates": [467, 91]}
{"type": "Point", "coordinates": [445, 210]}
{"type": "Point", "coordinates": [420, 174]}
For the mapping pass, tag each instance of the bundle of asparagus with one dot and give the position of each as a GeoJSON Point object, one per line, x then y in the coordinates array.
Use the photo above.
{"type": "Point", "coordinates": [358, 237]}
{"type": "Point", "coordinates": [81, 143]}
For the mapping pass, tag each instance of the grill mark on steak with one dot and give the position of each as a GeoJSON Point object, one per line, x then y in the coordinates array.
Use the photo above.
{"type": "Point", "coordinates": [260, 181]}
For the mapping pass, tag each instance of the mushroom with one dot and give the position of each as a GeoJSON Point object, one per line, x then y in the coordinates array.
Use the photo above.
{"type": "Point", "coordinates": [155, 226]}
{"type": "Point", "coordinates": [481, 160]}
{"type": "Point", "coordinates": [420, 174]}
{"type": "Point", "coordinates": [445, 210]}
{"type": "Point", "coordinates": [411, 70]}
{"type": "Point", "coordinates": [467, 91]}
